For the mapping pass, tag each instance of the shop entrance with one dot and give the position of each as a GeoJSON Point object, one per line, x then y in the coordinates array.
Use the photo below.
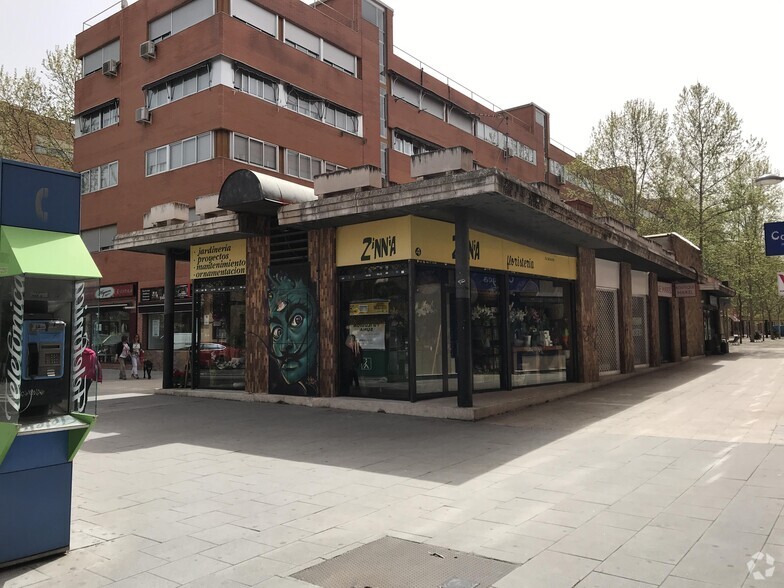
{"type": "Point", "coordinates": [665, 335]}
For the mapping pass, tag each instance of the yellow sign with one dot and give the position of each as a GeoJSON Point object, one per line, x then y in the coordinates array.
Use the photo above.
{"type": "Point", "coordinates": [369, 307]}
{"type": "Point", "coordinates": [218, 260]}
{"type": "Point", "coordinates": [411, 237]}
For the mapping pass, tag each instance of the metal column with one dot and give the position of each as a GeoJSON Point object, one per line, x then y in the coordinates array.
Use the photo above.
{"type": "Point", "coordinates": [465, 368]}
{"type": "Point", "coordinates": [168, 320]}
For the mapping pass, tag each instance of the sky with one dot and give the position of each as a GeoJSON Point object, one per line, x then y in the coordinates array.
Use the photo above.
{"type": "Point", "coordinates": [577, 59]}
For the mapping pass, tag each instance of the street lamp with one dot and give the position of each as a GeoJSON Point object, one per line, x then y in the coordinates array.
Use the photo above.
{"type": "Point", "coordinates": [768, 180]}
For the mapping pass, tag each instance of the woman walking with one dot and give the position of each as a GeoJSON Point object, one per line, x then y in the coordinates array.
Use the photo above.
{"type": "Point", "coordinates": [136, 356]}
{"type": "Point", "coordinates": [123, 356]}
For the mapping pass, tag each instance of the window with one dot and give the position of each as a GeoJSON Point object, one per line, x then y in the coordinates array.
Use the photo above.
{"type": "Point", "coordinates": [255, 16]}
{"type": "Point", "coordinates": [433, 105]}
{"type": "Point", "coordinates": [372, 12]}
{"type": "Point", "coordinates": [383, 111]}
{"type": "Point", "coordinates": [98, 178]}
{"type": "Point", "coordinates": [99, 239]}
{"type": "Point", "coordinates": [95, 60]}
{"type": "Point", "coordinates": [302, 40]}
{"type": "Point", "coordinates": [339, 59]}
{"type": "Point", "coordinates": [487, 133]}
{"type": "Point", "coordinates": [306, 167]}
{"type": "Point", "coordinates": [406, 91]}
{"type": "Point", "coordinates": [410, 145]}
{"type": "Point", "coordinates": [461, 120]}
{"type": "Point", "coordinates": [342, 119]}
{"type": "Point", "coordinates": [180, 19]}
{"type": "Point", "coordinates": [179, 87]}
{"type": "Point", "coordinates": [179, 154]}
{"type": "Point", "coordinates": [98, 119]}
{"type": "Point", "coordinates": [304, 104]}
{"type": "Point", "coordinates": [317, 47]}
{"type": "Point", "coordinates": [255, 152]}
{"type": "Point", "coordinates": [260, 86]}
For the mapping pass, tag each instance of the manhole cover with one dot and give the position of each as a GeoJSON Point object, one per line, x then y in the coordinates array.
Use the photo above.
{"type": "Point", "coordinates": [392, 563]}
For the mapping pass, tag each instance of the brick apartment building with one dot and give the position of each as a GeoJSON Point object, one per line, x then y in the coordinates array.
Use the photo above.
{"type": "Point", "coordinates": [184, 101]}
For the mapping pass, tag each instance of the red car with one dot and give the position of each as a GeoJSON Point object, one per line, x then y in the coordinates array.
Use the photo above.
{"type": "Point", "coordinates": [220, 356]}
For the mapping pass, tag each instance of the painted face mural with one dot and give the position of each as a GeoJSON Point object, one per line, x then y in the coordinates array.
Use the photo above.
{"type": "Point", "coordinates": [293, 328]}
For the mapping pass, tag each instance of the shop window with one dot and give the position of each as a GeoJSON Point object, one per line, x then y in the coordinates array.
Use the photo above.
{"type": "Point", "coordinates": [183, 329]}
{"type": "Point", "coordinates": [539, 327]}
{"type": "Point", "coordinates": [220, 332]}
{"type": "Point", "coordinates": [430, 335]}
{"type": "Point", "coordinates": [375, 311]}
{"type": "Point", "coordinates": [486, 330]}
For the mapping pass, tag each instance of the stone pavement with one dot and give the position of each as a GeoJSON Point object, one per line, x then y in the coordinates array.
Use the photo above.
{"type": "Point", "coordinates": [672, 479]}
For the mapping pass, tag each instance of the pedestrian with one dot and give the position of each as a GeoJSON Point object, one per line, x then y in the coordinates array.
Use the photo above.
{"type": "Point", "coordinates": [92, 366]}
{"type": "Point", "coordinates": [137, 355]}
{"type": "Point", "coordinates": [123, 356]}
{"type": "Point", "coordinates": [351, 362]}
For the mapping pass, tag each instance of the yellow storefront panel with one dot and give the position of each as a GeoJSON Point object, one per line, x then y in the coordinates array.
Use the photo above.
{"type": "Point", "coordinates": [424, 239]}
{"type": "Point", "coordinates": [218, 260]}
{"type": "Point", "coordinates": [374, 242]}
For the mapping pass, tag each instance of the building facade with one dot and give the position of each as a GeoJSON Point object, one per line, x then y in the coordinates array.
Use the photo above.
{"type": "Point", "coordinates": [278, 86]}
{"type": "Point", "coordinates": [315, 194]}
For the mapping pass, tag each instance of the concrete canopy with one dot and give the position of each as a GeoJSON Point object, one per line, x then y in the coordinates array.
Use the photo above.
{"type": "Point", "coordinates": [498, 204]}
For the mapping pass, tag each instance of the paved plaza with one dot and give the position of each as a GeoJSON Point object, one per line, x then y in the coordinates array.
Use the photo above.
{"type": "Point", "coordinates": [673, 479]}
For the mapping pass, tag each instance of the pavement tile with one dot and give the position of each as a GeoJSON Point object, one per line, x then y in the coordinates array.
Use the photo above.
{"type": "Point", "coordinates": [635, 568]}
{"type": "Point", "coordinates": [550, 569]}
{"type": "Point", "coordinates": [189, 568]}
{"type": "Point", "coordinates": [597, 580]}
{"type": "Point", "coordinates": [542, 530]}
{"type": "Point", "coordinates": [620, 520]}
{"type": "Point", "coordinates": [130, 563]}
{"type": "Point", "coordinates": [512, 547]}
{"type": "Point", "coordinates": [237, 551]}
{"type": "Point", "coordinates": [177, 548]}
{"type": "Point", "coordinates": [593, 541]}
{"type": "Point", "coordinates": [298, 552]}
{"type": "Point", "coordinates": [145, 580]}
{"type": "Point", "coordinates": [659, 544]}
{"type": "Point", "coordinates": [20, 576]}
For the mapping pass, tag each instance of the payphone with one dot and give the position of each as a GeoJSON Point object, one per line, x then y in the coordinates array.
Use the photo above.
{"type": "Point", "coordinates": [43, 364]}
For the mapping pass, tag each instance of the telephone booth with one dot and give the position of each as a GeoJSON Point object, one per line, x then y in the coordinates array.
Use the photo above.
{"type": "Point", "coordinates": [47, 405]}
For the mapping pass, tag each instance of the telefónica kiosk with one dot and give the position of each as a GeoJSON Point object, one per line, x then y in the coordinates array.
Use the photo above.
{"type": "Point", "coordinates": [44, 266]}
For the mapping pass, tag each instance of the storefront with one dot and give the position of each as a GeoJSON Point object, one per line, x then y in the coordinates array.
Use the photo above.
{"type": "Point", "coordinates": [218, 335]}
{"type": "Point", "coordinates": [110, 315]}
{"type": "Point", "coordinates": [151, 309]}
{"type": "Point", "coordinates": [397, 298]}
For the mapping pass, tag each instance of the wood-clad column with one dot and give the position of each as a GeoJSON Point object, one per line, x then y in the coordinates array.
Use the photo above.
{"type": "Point", "coordinates": [625, 331]}
{"type": "Point", "coordinates": [585, 331]}
{"type": "Point", "coordinates": [257, 311]}
{"type": "Point", "coordinates": [654, 347]}
{"type": "Point", "coordinates": [324, 274]}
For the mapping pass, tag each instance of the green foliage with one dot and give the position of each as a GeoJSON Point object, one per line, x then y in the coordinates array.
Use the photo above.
{"type": "Point", "coordinates": [36, 112]}
{"type": "Point", "coordinates": [694, 176]}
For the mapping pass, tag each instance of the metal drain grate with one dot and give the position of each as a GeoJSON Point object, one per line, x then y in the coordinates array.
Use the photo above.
{"type": "Point", "coordinates": [394, 563]}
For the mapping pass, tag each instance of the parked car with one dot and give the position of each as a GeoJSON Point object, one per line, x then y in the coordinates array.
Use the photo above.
{"type": "Point", "coordinates": [220, 356]}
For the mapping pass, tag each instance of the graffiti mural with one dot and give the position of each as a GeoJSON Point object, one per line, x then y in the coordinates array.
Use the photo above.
{"type": "Point", "coordinates": [293, 331]}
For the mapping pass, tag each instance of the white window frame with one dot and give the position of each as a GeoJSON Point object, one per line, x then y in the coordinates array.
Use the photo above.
{"type": "Point", "coordinates": [168, 88]}
{"type": "Point", "coordinates": [302, 157]}
{"type": "Point", "coordinates": [164, 153]}
{"type": "Point", "coordinates": [249, 141]}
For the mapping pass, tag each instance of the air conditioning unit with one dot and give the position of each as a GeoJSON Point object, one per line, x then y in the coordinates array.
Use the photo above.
{"type": "Point", "coordinates": [560, 178]}
{"type": "Point", "coordinates": [109, 68]}
{"type": "Point", "coordinates": [143, 115]}
{"type": "Point", "coordinates": [147, 50]}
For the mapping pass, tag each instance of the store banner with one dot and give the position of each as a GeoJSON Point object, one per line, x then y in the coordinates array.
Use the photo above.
{"type": "Point", "coordinates": [664, 289]}
{"type": "Point", "coordinates": [370, 335]}
{"type": "Point", "coordinates": [411, 237]}
{"type": "Point", "coordinates": [218, 260]}
{"type": "Point", "coordinates": [109, 292]}
{"type": "Point", "coordinates": [687, 290]}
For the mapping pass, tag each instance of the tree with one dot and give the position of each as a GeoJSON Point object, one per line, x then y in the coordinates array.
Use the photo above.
{"type": "Point", "coordinates": [36, 113]}
{"type": "Point", "coordinates": [711, 152]}
{"type": "Point", "coordinates": [626, 168]}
